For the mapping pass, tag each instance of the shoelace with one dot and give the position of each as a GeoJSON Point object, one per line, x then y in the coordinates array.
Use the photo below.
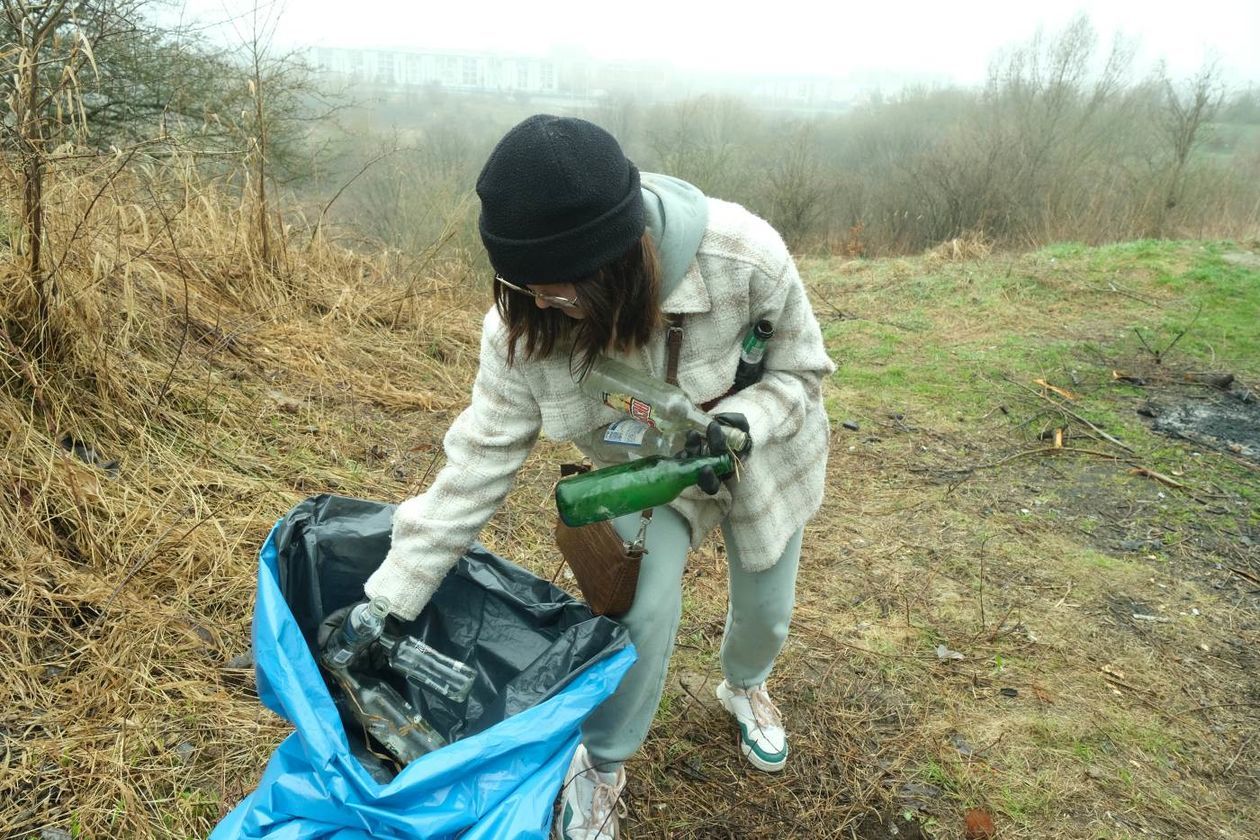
{"type": "Point", "coordinates": [764, 711]}
{"type": "Point", "coordinates": [606, 806]}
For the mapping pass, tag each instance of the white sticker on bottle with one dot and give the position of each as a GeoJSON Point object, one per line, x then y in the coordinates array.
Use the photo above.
{"type": "Point", "coordinates": [626, 432]}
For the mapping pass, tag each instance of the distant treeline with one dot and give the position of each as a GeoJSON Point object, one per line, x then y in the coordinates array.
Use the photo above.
{"type": "Point", "coordinates": [1060, 144]}
{"type": "Point", "coordinates": [1064, 142]}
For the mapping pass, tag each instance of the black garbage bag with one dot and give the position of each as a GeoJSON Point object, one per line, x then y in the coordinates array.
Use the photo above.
{"type": "Point", "coordinates": [525, 638]}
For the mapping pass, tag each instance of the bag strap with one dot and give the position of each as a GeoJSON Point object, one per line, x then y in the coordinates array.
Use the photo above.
{"type": "Point", "coordinates": [673, 346]}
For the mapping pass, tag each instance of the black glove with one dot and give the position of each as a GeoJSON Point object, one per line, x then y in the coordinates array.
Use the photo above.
{"type": "Point", "coordinates": [333, 621]}
{"type": "Point", "coordinates": [713, 442]}
{"type": "Point", "coordinates": [735, 420]}
{"type": "Point", "coordinates": [331, 624]}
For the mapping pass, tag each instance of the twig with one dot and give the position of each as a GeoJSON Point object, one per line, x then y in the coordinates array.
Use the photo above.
{"type": "Point", "coordinates": [1062, 392]}
{"type": "Point", "coordinates": [997, 629]}
{"type": "Point", "coordinates": [1182, 334]}
{"type": "Point", "coordinates": [183, 339]}
{"type": "Point", "coordinates": [1157, 476]}
{"type": "Point", "coordinates": [1148, 347]}
{"type": "Point", "coordinates": [1245, 574]}
{"type": "Point", "coordinates": [1245, 743]}
{"type": "Point", "coordinates": [142, 559]}
{"type": "Point", "coordinates": [74, 235]}
{"type": "Point", "coordinates": [1120, 290]}
{"type": "Point", "coordinates": [1112, 680]}
{"type": "Point", "coordinates": [983, 543]}
{"type": "Point", "coordinates": [1218, 706]}
{"type": "Point", "coordinates": [993, 411]}
{"type": "Point", "coordinates": [322, 213]}
{"type": "Point", "coordinates": [841, 315]}
{"type": "Point", "coordinates": [1061, 407]}
{"type": "Point", "coordinates": [1159, 354]}
{"type": "Point", "coordinates": [1042, 450]}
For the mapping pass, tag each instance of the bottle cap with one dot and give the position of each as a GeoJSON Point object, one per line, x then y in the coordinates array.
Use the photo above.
{"type": "Point", "coordinates": [379, 606]}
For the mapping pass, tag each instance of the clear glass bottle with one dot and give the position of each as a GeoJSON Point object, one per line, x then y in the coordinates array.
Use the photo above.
{"type": "Point", "coordinates": [628, 488]}
{"type": "Point", "coordinates": [429, 668]}
{"type": "Point", "coordinates": [388, 717]}
{"type": "Point", "coordinates": [651, 401]}
{"type": "Point", "coordinates": [361, 628]}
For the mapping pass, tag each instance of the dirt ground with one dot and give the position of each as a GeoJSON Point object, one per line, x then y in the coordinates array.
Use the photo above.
{"type": "Point", "coordinates": [1060, 633]}
{"type": "Point", "coordinates": [1107, 624]}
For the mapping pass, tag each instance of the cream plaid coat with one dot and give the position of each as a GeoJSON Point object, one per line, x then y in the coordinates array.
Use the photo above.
{"type": "Point", "coordinates": [741, 273]}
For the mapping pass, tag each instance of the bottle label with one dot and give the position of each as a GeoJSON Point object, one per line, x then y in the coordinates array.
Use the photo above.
{"type": "Point", "coordinates": [628, 432]}
{"type": "Point", "coordinates": [631, 405]}
{"type": "Point", "coordinates": [752, 355]}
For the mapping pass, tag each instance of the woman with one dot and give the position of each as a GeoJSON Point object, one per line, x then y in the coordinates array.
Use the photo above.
{"type": "Point", "coordinates": [591, 259]}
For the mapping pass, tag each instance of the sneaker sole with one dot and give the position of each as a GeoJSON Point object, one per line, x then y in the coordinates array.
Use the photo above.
{"type": "Point", "coordinates": [748, 752]}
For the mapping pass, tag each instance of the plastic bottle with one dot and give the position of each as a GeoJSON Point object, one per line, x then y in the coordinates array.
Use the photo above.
{"type": "Point", "coordinates": [658, 404]}
{"type": "Point", "coordinates": [360, 629]}
{"type": "Point", "coordinates": [752, 355]}
{"type": "Point", "coordinates": [427, 667]}
{"type": "Point", "coordinates": [388, 717]}
{"type": "Point", "coordinates": [628, 439]}
{"type": "Point", "coordinates": [627, 488]}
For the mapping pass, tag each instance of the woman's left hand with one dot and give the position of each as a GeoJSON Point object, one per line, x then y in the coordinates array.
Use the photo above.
{"type": "Point", "coordinates": [714, 442]}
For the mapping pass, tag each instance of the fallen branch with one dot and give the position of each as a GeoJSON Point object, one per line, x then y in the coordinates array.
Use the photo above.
{"type": "Point", "coordinates": [1127, 378]}
{"type": "Point", "coordinates": [1113, 681]}
{"type": "Point", "coordinates": [1042, 450]}
{"type": "Point", "coordinates": [1221, 381]}
{"type": "Point", "coordinates": [1242, 573]}
{"type": "Point", "coordinates": [1157, 476]}
{"type": "Point", "coordinates": [1069, 412]}
{"type": "Point", "coordinates": [1218, 706]}
{"type": "Point", "coordinates": [1062, 392]}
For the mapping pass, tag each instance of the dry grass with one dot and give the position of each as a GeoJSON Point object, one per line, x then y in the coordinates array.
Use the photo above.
{"type": "Point", "coordinates": [972, 246]}
{"type": "Point", "coordinates": [227, 394]}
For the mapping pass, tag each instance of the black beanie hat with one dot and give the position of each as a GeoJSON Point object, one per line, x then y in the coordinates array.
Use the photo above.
{"type": "Point", "coordinates": [559, 200]}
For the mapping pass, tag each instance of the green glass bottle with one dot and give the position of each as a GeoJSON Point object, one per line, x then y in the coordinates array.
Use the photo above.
{"type": "Point", "coordinates": [628, 488]}
{"type": "Point", "coordinates": [752, 355]}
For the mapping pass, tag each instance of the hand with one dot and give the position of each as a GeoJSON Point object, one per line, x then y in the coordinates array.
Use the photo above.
{"type": "Point", "coordinates": [331, 624]}
{"type": "Point", "coordinates": [734, 420]}
{"type": "Point", "coordinates": [713, 442]}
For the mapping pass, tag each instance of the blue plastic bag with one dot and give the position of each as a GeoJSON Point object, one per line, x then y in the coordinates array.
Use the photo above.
{"type": "Point", "coordinates": [498, 782]}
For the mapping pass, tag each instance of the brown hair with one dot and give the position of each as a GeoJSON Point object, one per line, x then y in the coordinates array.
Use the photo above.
{"type": "Point", "coordinates": [622, 306]}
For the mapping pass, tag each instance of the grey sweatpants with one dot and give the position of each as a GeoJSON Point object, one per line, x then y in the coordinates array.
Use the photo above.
{"type": "Point", "coordinates": [756, 628]}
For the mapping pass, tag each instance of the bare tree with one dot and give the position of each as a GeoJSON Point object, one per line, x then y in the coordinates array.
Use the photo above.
{"type": "Point", "coordinates": [49, 51]}
{"type": "Point", "coordinates": [698, 140]}
{"type": "Point", "coordinates": [1187, 110]}
{"type": "Point", "coordinates": [796, 185]}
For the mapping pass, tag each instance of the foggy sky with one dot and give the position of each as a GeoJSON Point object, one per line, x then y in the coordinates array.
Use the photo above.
{"type": "Point", "coordinates": [952, 42]}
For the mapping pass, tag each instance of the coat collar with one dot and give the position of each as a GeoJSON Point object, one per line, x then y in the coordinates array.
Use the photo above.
{"type": "Point", "coordinates": [690, 296]}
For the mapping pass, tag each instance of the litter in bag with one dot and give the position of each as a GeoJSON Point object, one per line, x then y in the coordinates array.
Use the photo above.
{"type": "Point", "coordinates": [543, 664]}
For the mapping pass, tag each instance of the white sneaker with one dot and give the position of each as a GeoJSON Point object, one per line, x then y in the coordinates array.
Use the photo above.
{"type": "Point", "coordinates": [590, 801]}
{"type": "Point", "coordinates": [762, 738]}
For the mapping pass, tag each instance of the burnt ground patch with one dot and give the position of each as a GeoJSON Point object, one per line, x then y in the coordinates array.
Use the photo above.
{"type": "Point", "coordinates": [1228, 421]}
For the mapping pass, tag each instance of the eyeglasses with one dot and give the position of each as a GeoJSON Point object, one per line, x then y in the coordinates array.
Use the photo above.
{"type": "Point", "coordinates": [550, 300]}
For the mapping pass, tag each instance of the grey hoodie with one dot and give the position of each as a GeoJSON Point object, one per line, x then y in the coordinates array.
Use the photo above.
{"type": "Point", "coordinates": [677, 216]}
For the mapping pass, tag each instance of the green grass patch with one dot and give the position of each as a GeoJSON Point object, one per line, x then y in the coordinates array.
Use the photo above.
{"type": "Point", "coordinates": [1221, 310]}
